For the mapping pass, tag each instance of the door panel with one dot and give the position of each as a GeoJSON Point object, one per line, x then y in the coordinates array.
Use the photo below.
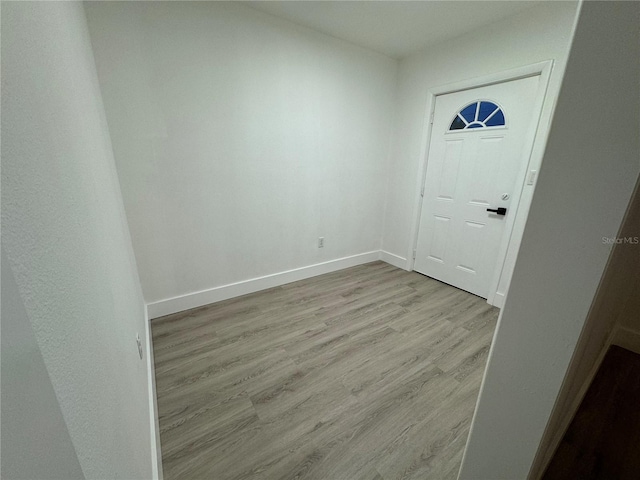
{"type": "Point", "coordinates": [484, 169]}
{"type": "Point", "coordinates": [470, 246]}
{"type": "Point", "coordinates": [440, 237]}
{"type": "Point", "coordinates": [471, 164]}
{"type": "Point", "coordinates": [449, 172]}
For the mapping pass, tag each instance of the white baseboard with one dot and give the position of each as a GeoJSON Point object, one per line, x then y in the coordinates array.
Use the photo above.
{"type": "Point", "coordinates": [627, 338]}
{"type": "Point", "coordinates": [498, 300]}
{"type": "Point", "coordinates": [394, 260]}
{"type": "Point", "coordinates": [212, 295]}
{"type": "Point", "coordinates": [156, 453]}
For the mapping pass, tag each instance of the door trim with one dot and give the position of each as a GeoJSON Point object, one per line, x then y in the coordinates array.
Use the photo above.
{"type": "Point", "coordinates": [531, 159]}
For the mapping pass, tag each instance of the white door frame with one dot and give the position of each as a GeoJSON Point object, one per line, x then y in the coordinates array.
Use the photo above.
{"type": "Point", "coordinates": [514, 227]}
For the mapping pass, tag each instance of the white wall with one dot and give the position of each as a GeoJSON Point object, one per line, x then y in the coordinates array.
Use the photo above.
{"type": "Point", "coordinates": [590, 167]}
{"type": "Point", "coordinates": [535, 35]}
{"type": "Point", "coordinates": [67, 246]}
{"type": "Point", "coordinates": [35, 440]}
{"type": "Point", "coordinates": [240, 139]}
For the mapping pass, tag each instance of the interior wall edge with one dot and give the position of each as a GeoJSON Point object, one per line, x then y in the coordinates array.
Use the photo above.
{"type": "Point", "coordinates": [65, 238]}
{"type": "Point", "coordinates": [29, 401]}
{"type": "Point", "coordinates": [608, 323]}
{"type": "Point", "coordinates": [544, 315]}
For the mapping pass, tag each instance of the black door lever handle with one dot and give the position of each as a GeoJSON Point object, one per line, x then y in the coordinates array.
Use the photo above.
{"type": "Point", "coordinates": [499, 210]}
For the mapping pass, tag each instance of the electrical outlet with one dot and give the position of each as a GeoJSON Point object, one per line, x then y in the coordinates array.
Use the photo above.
{"type": "Point", "coordinates": [321, 242]}
{"type": "Point", "coordinates": [139, 345]}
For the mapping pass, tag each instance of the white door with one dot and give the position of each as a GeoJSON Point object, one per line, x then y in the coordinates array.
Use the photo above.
{"type": "Point", "coordinates": [476, 155]}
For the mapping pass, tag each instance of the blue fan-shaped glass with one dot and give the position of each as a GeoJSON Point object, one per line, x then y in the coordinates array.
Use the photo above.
{"type": "Point", "coordinates": [489, 115]}
{"type": "Point", "coordinates": [496, 121]}
{"type": "Point", "coordinates": [469, 113]}
{"type": "Point", "coordinates": [486, 109]}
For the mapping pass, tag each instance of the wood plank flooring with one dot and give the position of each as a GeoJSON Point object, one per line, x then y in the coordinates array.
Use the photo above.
{"type": "Point", "coordinates": [368, 373]}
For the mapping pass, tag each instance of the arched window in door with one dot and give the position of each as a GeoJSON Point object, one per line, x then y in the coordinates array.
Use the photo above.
{"type": "Point", "coordinates": [479, 114]}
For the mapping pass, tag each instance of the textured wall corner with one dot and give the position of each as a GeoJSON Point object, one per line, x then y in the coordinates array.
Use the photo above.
{"type": "Point", "coordinates": [66, 241]}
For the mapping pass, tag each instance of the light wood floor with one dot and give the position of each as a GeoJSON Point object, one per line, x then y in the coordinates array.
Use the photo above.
{"type": "Point", "coordinates": [366, 373]}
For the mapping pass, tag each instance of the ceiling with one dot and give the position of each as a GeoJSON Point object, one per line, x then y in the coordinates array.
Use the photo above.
{"type": "Point", "coordinates": [394, 28]}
